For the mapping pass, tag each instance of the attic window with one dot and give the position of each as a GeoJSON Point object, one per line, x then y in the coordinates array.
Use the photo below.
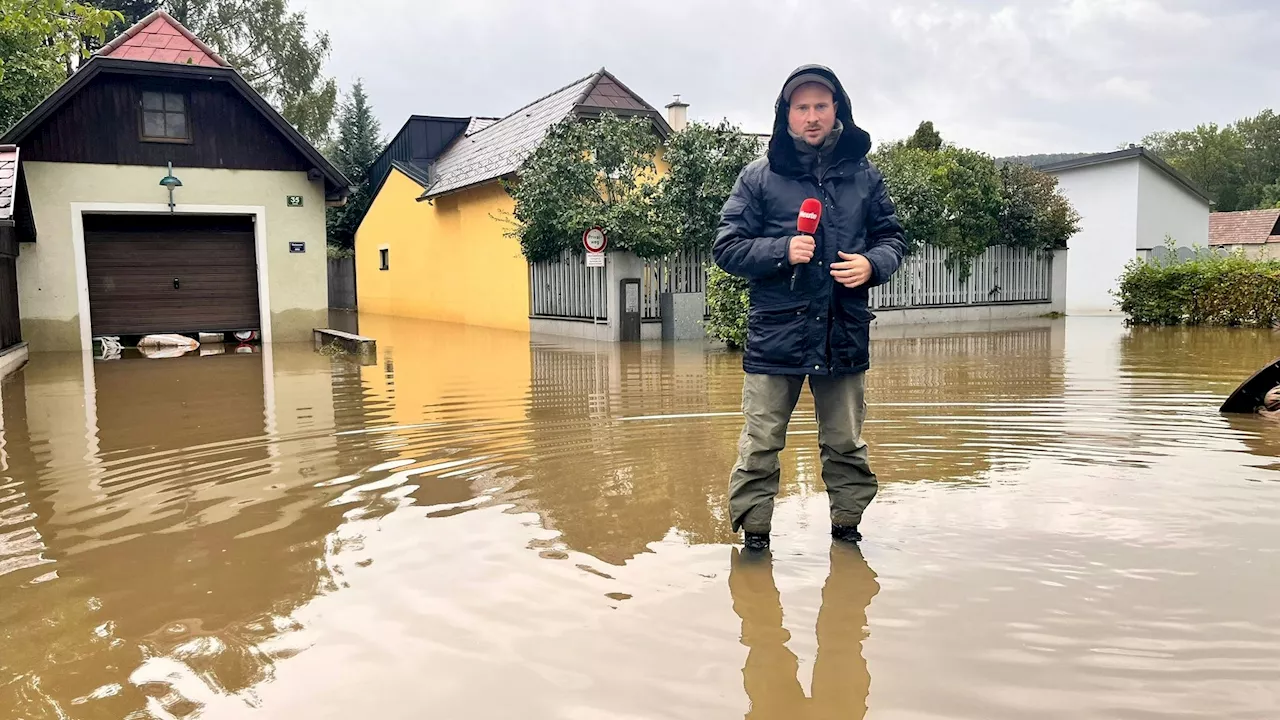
{"type": "Point", "coordinates": [164, 117]}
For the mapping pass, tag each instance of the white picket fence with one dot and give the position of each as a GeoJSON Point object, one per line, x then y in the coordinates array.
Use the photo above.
{"type": "Point", "coordinates": [1000, 275]}
{"type": "Point", "coordinates": [566, 288]}
{"type": "Point", "coordinates": [684, 272]}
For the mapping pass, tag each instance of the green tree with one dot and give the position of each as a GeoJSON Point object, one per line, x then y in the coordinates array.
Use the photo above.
{"type": "Point", "coordinates": [41, 42]}
{"type": "Point", "coordinates": [274, 50]}
{"type": "Point", "coordinates": [588, 173]}
{"type": "Point", "coordinates": [1033, 213]}
{"type": "Point", "coordinates": [704, 163]}
{"type": "Point", "coordinates": [1270, 197]}
{"type": "Point", "coordinates": [910, 175]}
{"type": "Point", "coordinates": [951, 198]}
{"type": "Point", "coordinates": [1211, 156]}
{"type": "Point", "coordinates": [359, 142]}
{"type": "Point", "coordinates": [1260, 136]}
{"type": "Point", "coordinates": [131, 11]}
{"type": "Point", "coordinates": [925, 138]}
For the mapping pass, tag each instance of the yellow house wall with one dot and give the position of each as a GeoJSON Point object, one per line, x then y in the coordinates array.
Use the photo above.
{"type": "Point", "coordinates": [450, 259]}
{"type": "Point", "coordinates": [48, 297]}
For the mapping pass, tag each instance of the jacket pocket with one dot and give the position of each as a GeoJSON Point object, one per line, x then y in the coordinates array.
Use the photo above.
{"type": "Point", "coordinates": [851, 336]}
{"type": "Point", "coordinates": [776, 335]}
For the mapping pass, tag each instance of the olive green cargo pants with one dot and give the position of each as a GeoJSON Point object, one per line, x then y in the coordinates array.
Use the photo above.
{"type": "Point", "coordinates": [767, 404]}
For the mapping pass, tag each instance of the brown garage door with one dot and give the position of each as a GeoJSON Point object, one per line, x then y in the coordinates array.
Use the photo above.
{"type": "Point", "coordinates": [167, 273]}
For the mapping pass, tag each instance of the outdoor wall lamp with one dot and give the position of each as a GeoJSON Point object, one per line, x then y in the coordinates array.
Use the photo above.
{"type": "Point", "coordinates": [170, 182]}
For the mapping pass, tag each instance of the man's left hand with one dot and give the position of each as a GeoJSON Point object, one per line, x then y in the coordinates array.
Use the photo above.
{"type": "Point", "coordinates": [855, 270]}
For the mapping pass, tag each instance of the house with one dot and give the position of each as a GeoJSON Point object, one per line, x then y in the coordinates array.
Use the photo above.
{"type": "Point", "coordinates": [16, 225]}
{"type": "Point", "coordinates": [170, 197]}
{"type": "Point", "coordinates": [1129, 201]}
{"type": "Point", "coordinates": [1256, 233]}
{"type": "Point", "coordinates": [419, 143]}
{"type": "Point", "coordinates": [435, 242]}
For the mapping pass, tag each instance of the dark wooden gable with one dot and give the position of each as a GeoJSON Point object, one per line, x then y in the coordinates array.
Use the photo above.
{"type": "Point", "coordinates": [418, 143]}
{"type": "Point", "coordinates": [608, 94]}
{"type": "Point", "coordinates": [102, 123]}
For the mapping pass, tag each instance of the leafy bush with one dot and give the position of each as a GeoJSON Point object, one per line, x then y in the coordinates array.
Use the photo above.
{"type": "Point", "coordinates": [727, 303]}
{"type": "Point", "coordinates": [1208, 289]}
{"type": "Point", "coordinates": [589, 173]}
{"type": "Point", "coordinates": [705, 162]}
{"type": "Point", "coordinates": [956, 198]}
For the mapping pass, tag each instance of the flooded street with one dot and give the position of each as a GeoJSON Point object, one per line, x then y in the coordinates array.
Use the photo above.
{"type": "Point", "coordinates": [477, 526]}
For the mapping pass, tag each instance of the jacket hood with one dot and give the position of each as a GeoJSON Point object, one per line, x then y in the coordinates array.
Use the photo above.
{"type": "Point", "coordinates": [854, 142]}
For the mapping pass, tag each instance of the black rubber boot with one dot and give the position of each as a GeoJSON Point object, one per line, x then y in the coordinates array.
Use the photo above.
{"type": "Point", "coordinates": [846, 533]}
{"type": "Point", "coordinates": [756, 541]}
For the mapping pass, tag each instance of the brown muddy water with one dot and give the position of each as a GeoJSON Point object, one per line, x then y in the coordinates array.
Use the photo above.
{"type": "Point", "coordinates": [477, 526]}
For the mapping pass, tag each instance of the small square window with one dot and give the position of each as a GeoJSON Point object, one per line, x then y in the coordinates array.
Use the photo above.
{"type": "Point", "coordinates": [384, 259]}
{"type": "Point", "coordinates": [164, 116]}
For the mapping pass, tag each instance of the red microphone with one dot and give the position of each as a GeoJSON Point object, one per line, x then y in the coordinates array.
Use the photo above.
{"type": "Point", "coordinates": [807, 224]}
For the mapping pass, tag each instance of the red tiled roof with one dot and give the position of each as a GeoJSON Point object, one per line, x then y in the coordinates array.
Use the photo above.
{"type": "Point", "coordinates": [1247, 227]}
{"type": "Point", "coordinates": [159, 38]}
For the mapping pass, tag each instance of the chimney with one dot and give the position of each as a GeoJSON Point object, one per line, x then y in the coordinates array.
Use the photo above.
{"type": "Point", "coordinates": [678, 114]}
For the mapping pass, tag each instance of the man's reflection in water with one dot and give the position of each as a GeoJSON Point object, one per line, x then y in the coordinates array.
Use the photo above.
{"type": "Point", "coordinates": [840, 677]}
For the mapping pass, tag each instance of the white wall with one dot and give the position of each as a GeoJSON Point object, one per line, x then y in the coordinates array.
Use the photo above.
{"type": "Point", "coordinates": [1166, 207]}
{"type": "Point", "coordinates": [1106, 196]}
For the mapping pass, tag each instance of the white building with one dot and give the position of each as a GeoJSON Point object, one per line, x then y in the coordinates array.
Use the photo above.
{"type": "Point", "coordinates": [1128, 201]}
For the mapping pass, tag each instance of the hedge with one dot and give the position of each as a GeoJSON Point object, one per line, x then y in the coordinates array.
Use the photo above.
{"type": "Point", "coordinates": [727, 303]}
{"type": "Point", "coordinates": [1208, 289]}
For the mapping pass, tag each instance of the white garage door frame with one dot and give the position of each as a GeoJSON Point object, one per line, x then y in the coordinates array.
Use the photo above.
{"type": "Point", "coordinates": [78, 211]}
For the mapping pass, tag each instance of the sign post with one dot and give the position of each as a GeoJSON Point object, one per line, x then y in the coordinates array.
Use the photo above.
{"type": "Point", "coordinates": [595, 241]}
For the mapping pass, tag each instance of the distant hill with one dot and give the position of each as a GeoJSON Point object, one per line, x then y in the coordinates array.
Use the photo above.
{"type": "Point", "coordinates": [1040, 160]}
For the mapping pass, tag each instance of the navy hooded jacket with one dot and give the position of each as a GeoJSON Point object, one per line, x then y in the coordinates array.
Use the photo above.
{"type": "Point", "coordinates": [820, 327]}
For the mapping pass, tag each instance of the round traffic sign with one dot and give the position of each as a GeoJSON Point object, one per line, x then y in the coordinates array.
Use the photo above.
{"type": "Point", "coordinates": [594, 240]}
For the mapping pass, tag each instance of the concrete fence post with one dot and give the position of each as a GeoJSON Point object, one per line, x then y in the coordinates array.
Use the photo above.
{"type": "Point", "coordinates": [1058, 290]}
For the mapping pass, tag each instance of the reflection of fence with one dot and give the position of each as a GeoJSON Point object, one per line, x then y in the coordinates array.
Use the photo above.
{"type": "Point", "coordinates": [684, 272]}
{"type": "Point", "coordinates": [566, 288]}
{"type": "Point", "coordinates": [959, 368]}
{"type": "Point", "coordinates": [1000, 275]}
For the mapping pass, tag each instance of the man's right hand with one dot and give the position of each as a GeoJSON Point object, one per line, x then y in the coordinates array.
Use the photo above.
{"type": "Point", "coordinates": [801, 252]}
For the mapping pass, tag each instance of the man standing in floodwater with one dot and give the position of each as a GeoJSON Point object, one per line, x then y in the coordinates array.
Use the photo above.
{"type": "Point", "coordinates": [809, 314]}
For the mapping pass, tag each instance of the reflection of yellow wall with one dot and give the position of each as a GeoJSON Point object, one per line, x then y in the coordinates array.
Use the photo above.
{"type": "Point", "coordinates": [465, 373]}
{"type": "Point", "coordinates": [450, 259]}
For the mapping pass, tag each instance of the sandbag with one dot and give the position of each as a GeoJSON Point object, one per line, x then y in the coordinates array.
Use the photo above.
{"type": "Point", "coordinates": [168, 341]}
{"type": "Point", "coordinates": [158, 352]}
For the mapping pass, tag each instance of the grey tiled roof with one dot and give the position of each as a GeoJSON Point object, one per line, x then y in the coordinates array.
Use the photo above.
{"type": "Point", "coordinates": [8, 179]}
{"type": "Point", "coordinates": [479, 123]}
{"type": "Point", "coordinates": [500, 148]}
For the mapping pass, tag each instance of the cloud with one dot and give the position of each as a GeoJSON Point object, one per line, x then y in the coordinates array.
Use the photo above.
{"type": "Point", "coordinates": [1005, 77]}
{"type": "Point", "coordinates": [1126, 89]}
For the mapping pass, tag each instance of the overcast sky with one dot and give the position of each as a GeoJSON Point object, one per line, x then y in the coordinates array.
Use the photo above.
{"type": "Point", "coordinates": [1012, 77]}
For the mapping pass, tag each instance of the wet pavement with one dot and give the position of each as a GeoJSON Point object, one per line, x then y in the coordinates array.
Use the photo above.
{"type": "Point", "coordinates": [477, 526]}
